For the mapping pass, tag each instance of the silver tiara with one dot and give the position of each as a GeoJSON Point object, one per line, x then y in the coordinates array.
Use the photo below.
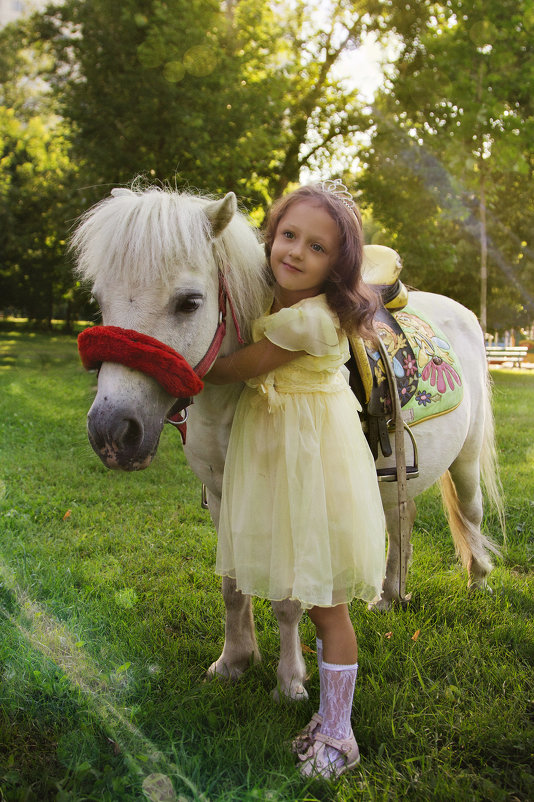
{"type": "Point", "coordinates": [338, 189]}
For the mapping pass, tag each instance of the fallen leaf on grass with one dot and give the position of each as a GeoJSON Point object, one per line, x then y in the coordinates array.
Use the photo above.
{"type": "Point", "coordinates": [416, 634]}
{"type": "Point", "coordinates": [306, 649]}
{"type": "Point", "coordinates": [388, 635]}
{"type": "Point", "coordinates": [116, 748]}
{"type": "Point", "coordinates": [67, 515]}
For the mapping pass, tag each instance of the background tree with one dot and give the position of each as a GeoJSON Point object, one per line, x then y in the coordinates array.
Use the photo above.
{"type": "Point", "coordinates": [216, 96]}
{"type": "Point", "coordinates": [451, 153]}
{"type": "Point", "coordinates": [236, 95]}
{"type": "Point", "coordinates": [244, 95]}
{"type": "Point", "coordinates": [36, 186]}
{"type": "Point", "coordinates": [35, 174]}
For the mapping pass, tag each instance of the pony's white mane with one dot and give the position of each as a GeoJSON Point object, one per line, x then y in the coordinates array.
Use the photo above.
{"type": "Point", "coordinates": [139, 237]}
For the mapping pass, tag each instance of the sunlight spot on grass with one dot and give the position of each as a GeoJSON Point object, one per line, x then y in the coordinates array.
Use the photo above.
{"type": "Point", "coordinates": [52, 638]}
{"type": "Point", "coordinates": [126, 598]}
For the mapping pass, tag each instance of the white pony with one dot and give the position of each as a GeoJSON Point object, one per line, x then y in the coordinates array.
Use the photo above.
{"type": "Point", "coordinates": [153, 257]}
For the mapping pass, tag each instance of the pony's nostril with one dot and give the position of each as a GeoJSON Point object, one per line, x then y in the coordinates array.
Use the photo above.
{"type": "Point", "coordinates": [118, 432]}
{"type": "Point", "coordinates": [128, 433]}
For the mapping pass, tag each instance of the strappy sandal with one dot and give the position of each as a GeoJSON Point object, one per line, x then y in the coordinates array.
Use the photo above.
{"type": "Point", "coordinates": [304, 739]}
{"type": "Point", "coordinates": [317, 764]}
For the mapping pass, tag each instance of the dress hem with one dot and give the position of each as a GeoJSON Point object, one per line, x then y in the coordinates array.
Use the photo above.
{"type": "Point", "coordinates": [305, 605]}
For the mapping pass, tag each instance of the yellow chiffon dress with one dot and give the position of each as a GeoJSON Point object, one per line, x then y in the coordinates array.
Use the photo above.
{"type": "Point", "coordinates": [301, 515]}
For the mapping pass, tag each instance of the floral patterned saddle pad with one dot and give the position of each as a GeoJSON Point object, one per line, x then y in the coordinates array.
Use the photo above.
{"type": "Point", "coordinates": [428, 373]}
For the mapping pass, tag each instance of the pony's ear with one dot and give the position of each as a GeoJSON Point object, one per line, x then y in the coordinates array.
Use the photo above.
{"type": "Point", "coordinates": [219, 213]}
{"type": "Point", "coordinates": [118, 191]}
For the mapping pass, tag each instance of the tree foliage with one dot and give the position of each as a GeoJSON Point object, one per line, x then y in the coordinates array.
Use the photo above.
{"type": "Point", "coordinates": [35, 174]}
{"type": "Point", "coordinates": [237, 95]}
{"type": "Point", "coordinates": [243, 95]}
{"type": "Point", "coordinates": [215, 96]}
{"type": "Point", "coordinates": [449, 169]}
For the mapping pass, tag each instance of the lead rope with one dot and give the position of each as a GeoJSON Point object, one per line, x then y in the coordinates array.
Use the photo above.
{"type": "Point", "coordinates": [400, 459]}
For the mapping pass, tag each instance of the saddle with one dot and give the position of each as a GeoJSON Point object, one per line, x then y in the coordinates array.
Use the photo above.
{"type": "Point", "coordinates": [381, 268]}
{"type": "Point", "coordinates": [411, 355]}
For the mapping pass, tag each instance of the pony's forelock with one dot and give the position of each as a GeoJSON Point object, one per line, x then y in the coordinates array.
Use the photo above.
{"type": "Point", "coordinates": [140, 237]}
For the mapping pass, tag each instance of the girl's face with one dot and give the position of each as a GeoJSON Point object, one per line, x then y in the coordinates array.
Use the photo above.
{"type": "Point", "coordinates": [304, 249]}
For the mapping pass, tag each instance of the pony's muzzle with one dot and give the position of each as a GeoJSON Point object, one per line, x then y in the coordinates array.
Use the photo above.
{"type": "Point", "coordinates": [117, 437]}
{"type": "Point", "coordinates": [119, 434]}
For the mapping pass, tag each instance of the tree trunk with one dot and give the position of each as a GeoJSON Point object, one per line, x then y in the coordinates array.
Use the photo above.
{"type": "Point", "coordinates": [483, 255]}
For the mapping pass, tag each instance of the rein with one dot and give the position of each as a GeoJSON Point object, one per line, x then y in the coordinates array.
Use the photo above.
{"type": "Point", "coordinates": [168, 367]}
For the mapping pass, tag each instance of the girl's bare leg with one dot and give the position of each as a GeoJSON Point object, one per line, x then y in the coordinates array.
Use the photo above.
{"type": "Point", "coordinates": [334, 628]}
{"type": "Point", "coordinates": [337, 673]}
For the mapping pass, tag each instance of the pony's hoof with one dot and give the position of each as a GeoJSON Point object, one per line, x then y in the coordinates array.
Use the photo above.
{"type": "Point", "coordinates": [381, 606]}
{"type": "Point", "coordinates": [222, 671]}
{"type": "Point", "coordinates": [385, 604]}
{"type": "Point", "coordinates": [479, 586]}
{"type": "Point", "coordinates": [296, 692]}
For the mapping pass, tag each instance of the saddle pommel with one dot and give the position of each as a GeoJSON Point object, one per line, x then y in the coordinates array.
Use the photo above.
{"type": "Point", "coordinates": [381, 268]}
{"type": "Point", "coordinates": [381, 265]}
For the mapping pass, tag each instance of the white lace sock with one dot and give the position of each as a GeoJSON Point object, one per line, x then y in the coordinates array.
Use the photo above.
{"type": "Point", "coordinates": [337, 692]}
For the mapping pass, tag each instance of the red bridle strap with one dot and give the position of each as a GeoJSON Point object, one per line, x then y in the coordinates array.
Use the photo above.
{"type": "Point", "coordinates": [213, 351]}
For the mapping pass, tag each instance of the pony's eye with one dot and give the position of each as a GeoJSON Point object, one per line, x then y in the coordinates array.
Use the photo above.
{"type": "Point", "coordinates": [188, 303]}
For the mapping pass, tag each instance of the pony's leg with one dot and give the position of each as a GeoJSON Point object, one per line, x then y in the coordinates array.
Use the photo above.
{"type": "Point", "coordinates": [291, 672]}
{"type": "Point", "coordinates": [462, 498]}
{"type": "Point", "coordinates": [240, 646]}
{"type": "Point", "coordinates": [391, 592]}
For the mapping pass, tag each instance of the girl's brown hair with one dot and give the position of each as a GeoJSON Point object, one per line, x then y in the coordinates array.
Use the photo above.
{"type": "Point", "coordinates": [354, 302]}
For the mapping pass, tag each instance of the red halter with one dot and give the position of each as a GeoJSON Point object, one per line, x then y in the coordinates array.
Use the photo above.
{"type": "Point", "coordinates": [156, 359]}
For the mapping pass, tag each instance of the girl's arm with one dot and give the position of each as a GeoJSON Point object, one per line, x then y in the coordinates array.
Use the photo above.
{"type": "Point", "coordinates": [248, 362]}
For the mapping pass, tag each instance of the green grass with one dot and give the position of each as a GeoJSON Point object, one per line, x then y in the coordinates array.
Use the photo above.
{"type": "Point", "coordinates": [110, 613]}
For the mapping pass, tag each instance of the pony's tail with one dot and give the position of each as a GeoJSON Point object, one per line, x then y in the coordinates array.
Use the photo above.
{"type": "Point", "coordinates": [471, 544]}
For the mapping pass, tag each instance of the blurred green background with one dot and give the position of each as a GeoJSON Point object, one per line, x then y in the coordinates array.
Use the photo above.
{"type": "Point", "coordinates": [424, 109]}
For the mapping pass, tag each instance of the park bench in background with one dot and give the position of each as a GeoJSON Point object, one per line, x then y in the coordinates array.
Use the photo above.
{"type": "Point", "coordinates": [499, 354]}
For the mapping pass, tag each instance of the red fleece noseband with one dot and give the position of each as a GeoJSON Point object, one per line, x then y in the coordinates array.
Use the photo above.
{"type": "Point", "coordinates": [140, 352]}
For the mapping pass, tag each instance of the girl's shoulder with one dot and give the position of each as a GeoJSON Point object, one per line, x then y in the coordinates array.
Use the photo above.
{"type": "Point", "coordinates": [317, 304]}
{"type": "Point", "coordinates": [309, 325]}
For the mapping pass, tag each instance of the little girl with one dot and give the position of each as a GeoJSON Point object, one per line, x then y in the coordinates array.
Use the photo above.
{"type": "Point", "coordinates": [301, 516]}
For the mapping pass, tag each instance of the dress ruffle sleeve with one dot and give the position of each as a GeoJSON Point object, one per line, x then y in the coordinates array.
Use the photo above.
{"type": "Point", "coordinates": [309, 327]}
